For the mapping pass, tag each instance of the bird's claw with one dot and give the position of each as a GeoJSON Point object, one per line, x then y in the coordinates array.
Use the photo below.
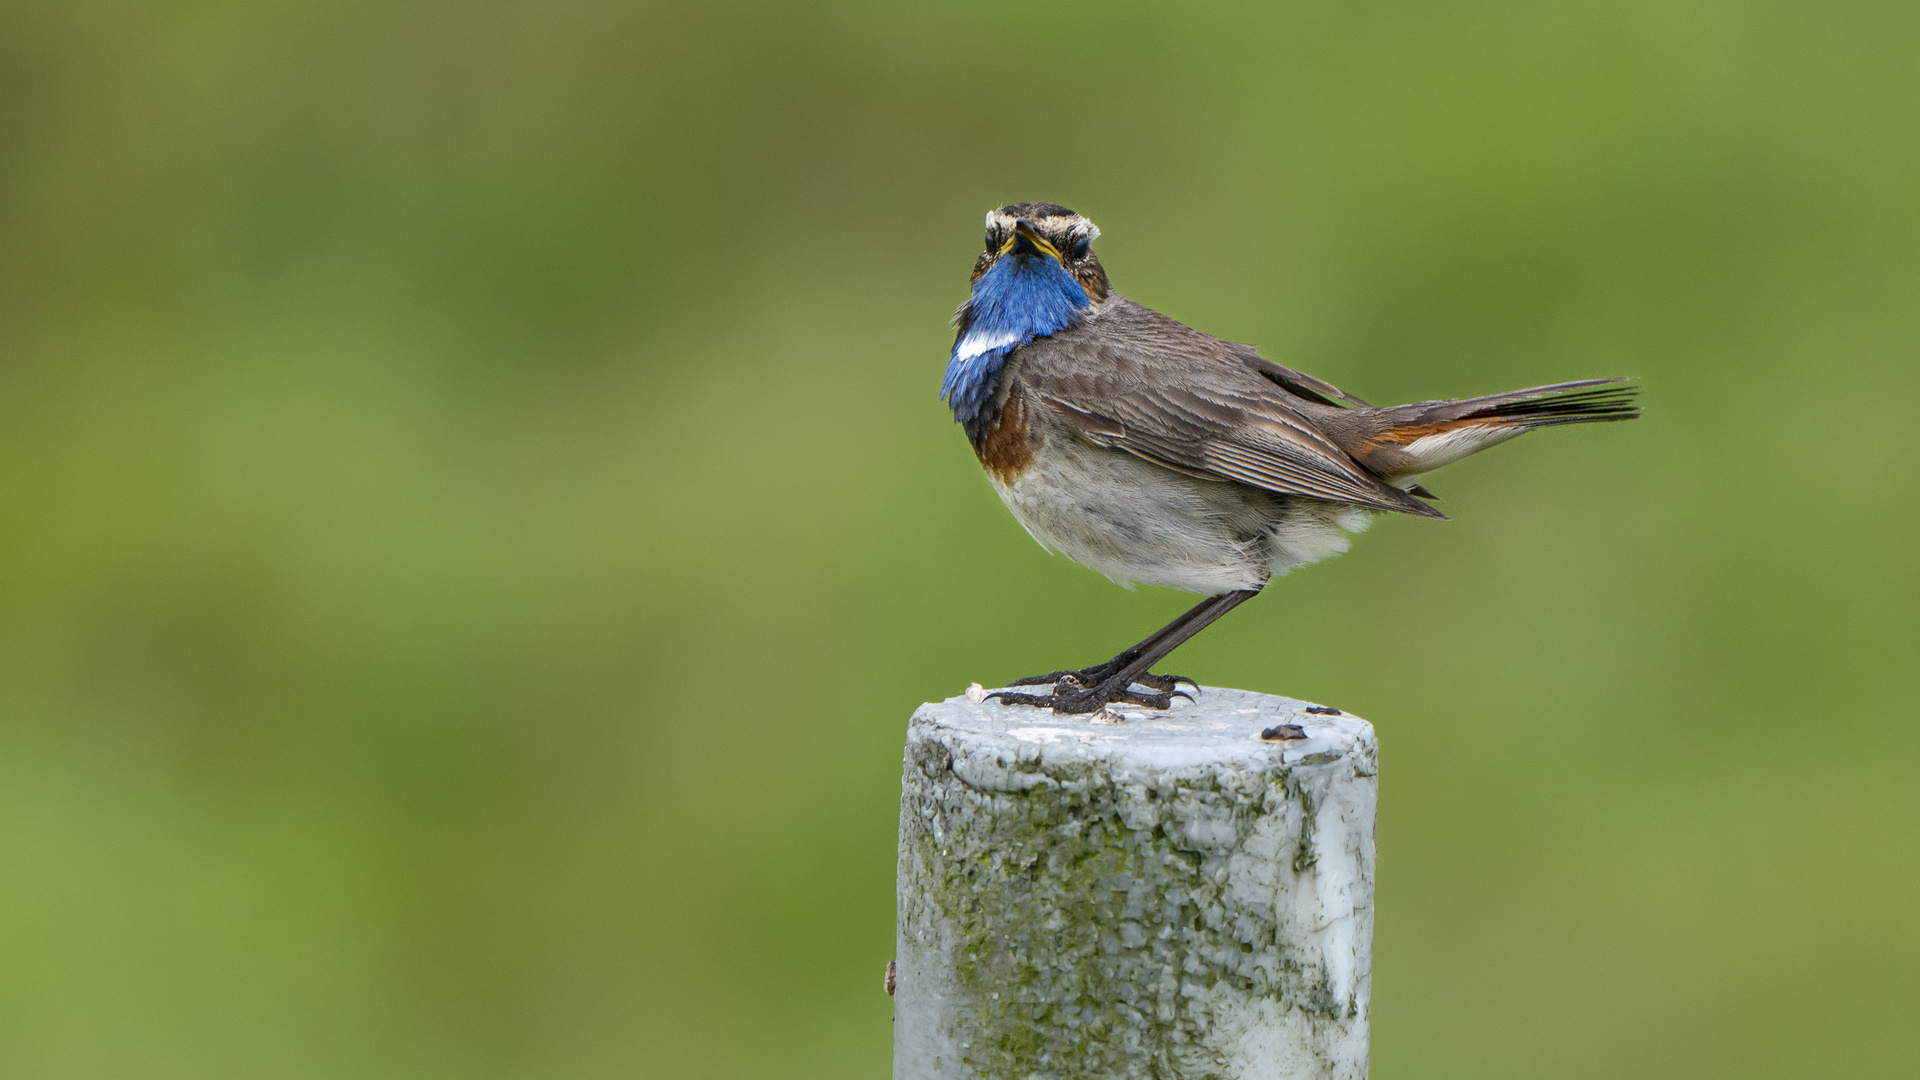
{"type": "Point", "coordinates": [1051, 677]}
{"type": "Point", "coordinates": [1071, 697]}
{"type": "Point", "coordinates": [1098, 674]}
{"type": "Point", "coordinates": [1038, 701]}
{"type": "Point", "coordinates": [1165, 682]}
{"type": "Point", "coordinates": [1150, 700]}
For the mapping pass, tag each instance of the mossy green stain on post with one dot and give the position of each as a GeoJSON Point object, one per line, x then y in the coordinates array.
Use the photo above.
{"type": "Point", "coordinates": [1100, 925]}
{"type": "Point", "coordinates": [1086, 852]}
{"type": "Point", "coordinates": [1304, 854]}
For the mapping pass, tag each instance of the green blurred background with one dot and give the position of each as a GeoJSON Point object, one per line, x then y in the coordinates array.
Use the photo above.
{"type": "Point", "coordinates": [477, 515]}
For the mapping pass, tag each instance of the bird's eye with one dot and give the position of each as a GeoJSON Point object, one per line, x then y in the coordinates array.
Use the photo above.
{"type": "Point", "coordinates": [1081, 245]}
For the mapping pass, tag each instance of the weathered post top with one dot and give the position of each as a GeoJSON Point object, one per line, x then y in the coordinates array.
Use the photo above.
{"type": "Point", "coordinates": [1175, 895]}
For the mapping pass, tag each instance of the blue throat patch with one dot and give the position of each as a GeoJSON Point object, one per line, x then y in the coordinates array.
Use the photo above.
{"type": "Point", "coordinates": [1016, 300]}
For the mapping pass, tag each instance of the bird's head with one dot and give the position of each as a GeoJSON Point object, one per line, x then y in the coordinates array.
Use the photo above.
{"type": "Point", "coordinates": [1037, 277]}
{"type": "Point", "coordinates": [1019, 234]}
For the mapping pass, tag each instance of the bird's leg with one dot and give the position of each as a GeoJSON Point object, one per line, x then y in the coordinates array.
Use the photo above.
{"type": "Point", "coordinates": [1098, 673]}
{"type": "Point", "coordinates": [1092, 689]}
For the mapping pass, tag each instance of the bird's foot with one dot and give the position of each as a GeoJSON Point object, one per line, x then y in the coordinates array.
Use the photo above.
{"type": "Point", "coordinates": [1100, 673]}
{"type": "Point", "coordinates": [1072, 696]}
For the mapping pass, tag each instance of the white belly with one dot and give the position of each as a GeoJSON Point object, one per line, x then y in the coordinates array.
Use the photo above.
{"type": "Point", "coordinates": [1137, 522]}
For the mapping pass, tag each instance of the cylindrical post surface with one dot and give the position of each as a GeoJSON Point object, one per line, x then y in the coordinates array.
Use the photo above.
{"type": "Point", "coordinates": [1173, 896]}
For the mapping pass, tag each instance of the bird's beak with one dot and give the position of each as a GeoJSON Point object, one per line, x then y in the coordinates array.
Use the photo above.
{"type": "Point", "coordinates": [1025, 241]}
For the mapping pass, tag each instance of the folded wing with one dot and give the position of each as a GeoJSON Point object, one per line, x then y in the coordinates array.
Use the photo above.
{"type": "Point", "coordinates": [1192, 403]}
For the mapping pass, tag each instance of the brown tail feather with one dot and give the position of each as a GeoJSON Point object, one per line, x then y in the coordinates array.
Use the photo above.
{"type": "Point", "coordinates": [1410, 439]}
{"type": "Point", "coordinates": [1583, 402]}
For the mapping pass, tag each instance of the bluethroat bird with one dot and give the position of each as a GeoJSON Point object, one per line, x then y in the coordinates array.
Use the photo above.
{"type": "Point", "coordinates": [1151, 452]}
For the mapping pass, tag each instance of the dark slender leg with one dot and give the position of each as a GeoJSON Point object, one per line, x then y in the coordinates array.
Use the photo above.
{"type": "Point", "coordinates": [1090, 676]}
{"type": "Point", "coordinates": [1113, 680]}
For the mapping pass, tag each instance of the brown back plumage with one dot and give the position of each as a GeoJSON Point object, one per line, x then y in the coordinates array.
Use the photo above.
{"type": "Point", "coordinates": [1133, 379]}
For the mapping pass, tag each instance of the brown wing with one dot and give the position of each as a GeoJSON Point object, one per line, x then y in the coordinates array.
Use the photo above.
{"type": "Point", "coordinates": [1298, 382]}
{"type": "Point", "coordinates": [1140, 382]}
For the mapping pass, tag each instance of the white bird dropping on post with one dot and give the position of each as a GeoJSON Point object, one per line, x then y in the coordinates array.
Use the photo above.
{"type": "Point", "coordinates": [1175, 895]}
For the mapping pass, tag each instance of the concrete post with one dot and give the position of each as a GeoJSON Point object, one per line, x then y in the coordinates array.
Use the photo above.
{"type": "Point", "coordinates": [1176, 895]}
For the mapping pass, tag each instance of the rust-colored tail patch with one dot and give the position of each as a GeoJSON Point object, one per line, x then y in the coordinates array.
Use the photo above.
{"type": "Point", "coordinates": [1411, 433]}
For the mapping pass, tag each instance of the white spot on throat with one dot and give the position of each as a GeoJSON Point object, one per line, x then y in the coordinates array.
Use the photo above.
{"type": "Point", "coordinates": [979, 341]}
